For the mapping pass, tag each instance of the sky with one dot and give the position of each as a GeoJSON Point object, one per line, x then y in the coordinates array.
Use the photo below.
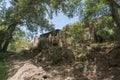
{"type": "Point", "coordinates": [61, 20]}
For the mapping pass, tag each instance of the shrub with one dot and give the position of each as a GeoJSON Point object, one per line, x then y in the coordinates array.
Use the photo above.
{"type": "Point", "coordinates": [3, 70]}
{"type": "Point", "coordinates": [19, 44]}
{"type": "Point", "coordinates": [4, 65]}
{"type": "Point", "coordinates": [56, 55]}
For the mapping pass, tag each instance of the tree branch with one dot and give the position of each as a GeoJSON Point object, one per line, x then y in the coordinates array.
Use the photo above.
{"type": "Point", "coordinates": [114, 2]}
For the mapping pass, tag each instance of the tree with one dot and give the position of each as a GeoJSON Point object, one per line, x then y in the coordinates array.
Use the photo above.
{"type": "Point", "coordinates": [30, 13]}
{"type": "Point", "coordinates": [94, 9]}
{"type": "Point", "coordinates": [90, 9]}
{"type": "Point", "coordinates": [114, 6]}
{"type": "Point", "coordinates": [34, 14]}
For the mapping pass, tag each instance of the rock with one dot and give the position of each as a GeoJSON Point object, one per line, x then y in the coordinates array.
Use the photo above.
{"type": "Point", "coordinates": [29, 72]}
{"type": "Point", "coordinates": [114, 57]}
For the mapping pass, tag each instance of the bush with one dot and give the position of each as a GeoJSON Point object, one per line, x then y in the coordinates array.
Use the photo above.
{"type": "Point", "coordinates": [3, 56]}
{"type": "Point", "coordinates": [56, 55]}
{"type": "Point", "coordinates": [19, 44]}
{"type": "Point", "coordinates": [3, 70]}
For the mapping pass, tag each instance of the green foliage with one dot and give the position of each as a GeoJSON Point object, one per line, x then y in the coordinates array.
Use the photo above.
{"type": "Point", "coordinates": [3, 56]}
{"type": "Point", "coordinates": [77, 38]}
{"type": "Point", "coordinates": [32, 15]}
{"type": "Point", "coordinates": [26, 9]}
{"type": "Point", "coordinates": [19, 32]}
{"type": "Point", "coordinates": [104, 27]}
{"type": "Point", "coordinates": [4, 66]}
{"type": "Point", "coordinates": [116, 35]}
{"type": "Point", "coordinates": [90, 9]}
{"type": "Point", "coordinates": [75, 32]}
{"type": "Point", "coordinates": [56, 55]}
{"type": "Point", "coordinates": [2, 30]}
{"type": "Point", "coordinates": [19, 44]}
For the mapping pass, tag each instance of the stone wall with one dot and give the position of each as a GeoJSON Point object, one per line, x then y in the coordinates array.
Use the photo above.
{"type": "Point", "coordinates": [55, 37]}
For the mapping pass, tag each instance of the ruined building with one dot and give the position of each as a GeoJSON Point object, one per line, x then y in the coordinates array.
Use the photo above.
{"type": "Point", "coordinates": [55, 37]}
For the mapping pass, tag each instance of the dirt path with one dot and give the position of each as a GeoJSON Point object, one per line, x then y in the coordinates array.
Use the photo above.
{"type": "Point", "coordinates": [62, 72]}
{"type": "Point", "coordinates": [16, 61]}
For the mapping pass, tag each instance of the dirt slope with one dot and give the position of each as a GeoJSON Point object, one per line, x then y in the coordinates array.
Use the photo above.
{"type": "Point", "coordinates": [98, 67]}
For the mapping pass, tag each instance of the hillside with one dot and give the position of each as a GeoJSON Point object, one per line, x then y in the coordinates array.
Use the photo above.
{"type": "Point", "coordinates": [100, 65]}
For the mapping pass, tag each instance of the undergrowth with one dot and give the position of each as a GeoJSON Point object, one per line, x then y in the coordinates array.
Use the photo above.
{"type": "Point", "coordinates": [4, 66]}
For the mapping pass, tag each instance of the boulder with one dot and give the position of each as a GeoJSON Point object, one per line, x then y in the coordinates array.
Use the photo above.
{"type": "Point", "coordinates": [29, 72]}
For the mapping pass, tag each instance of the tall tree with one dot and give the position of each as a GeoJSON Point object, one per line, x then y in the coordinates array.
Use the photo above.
{"type": "Point", "coordinates": [31, 14]}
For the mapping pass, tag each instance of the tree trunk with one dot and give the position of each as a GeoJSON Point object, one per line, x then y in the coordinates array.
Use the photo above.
{"type": "Point", "coordinates": [5, 46]}
{"type": "Point", "coordinates": [8, 37]}
{"type": "Point", "coordinates": [1, 38]}
{"type": "Point", "coordinates": [114, 10]}
{"type": "Point", "coordinates": [0, 44]}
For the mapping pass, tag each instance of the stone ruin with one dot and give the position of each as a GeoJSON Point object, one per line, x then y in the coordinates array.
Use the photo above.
{"type": "Point", "coordinates": [56, 37]}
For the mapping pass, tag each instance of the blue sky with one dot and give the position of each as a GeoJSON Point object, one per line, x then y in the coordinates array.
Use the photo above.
{"type": "Point", "coordinates": [61, 20]}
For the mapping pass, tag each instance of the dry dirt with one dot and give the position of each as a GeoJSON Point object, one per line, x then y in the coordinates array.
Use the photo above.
{"type": "Point", "coordinates": [97, 67]}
